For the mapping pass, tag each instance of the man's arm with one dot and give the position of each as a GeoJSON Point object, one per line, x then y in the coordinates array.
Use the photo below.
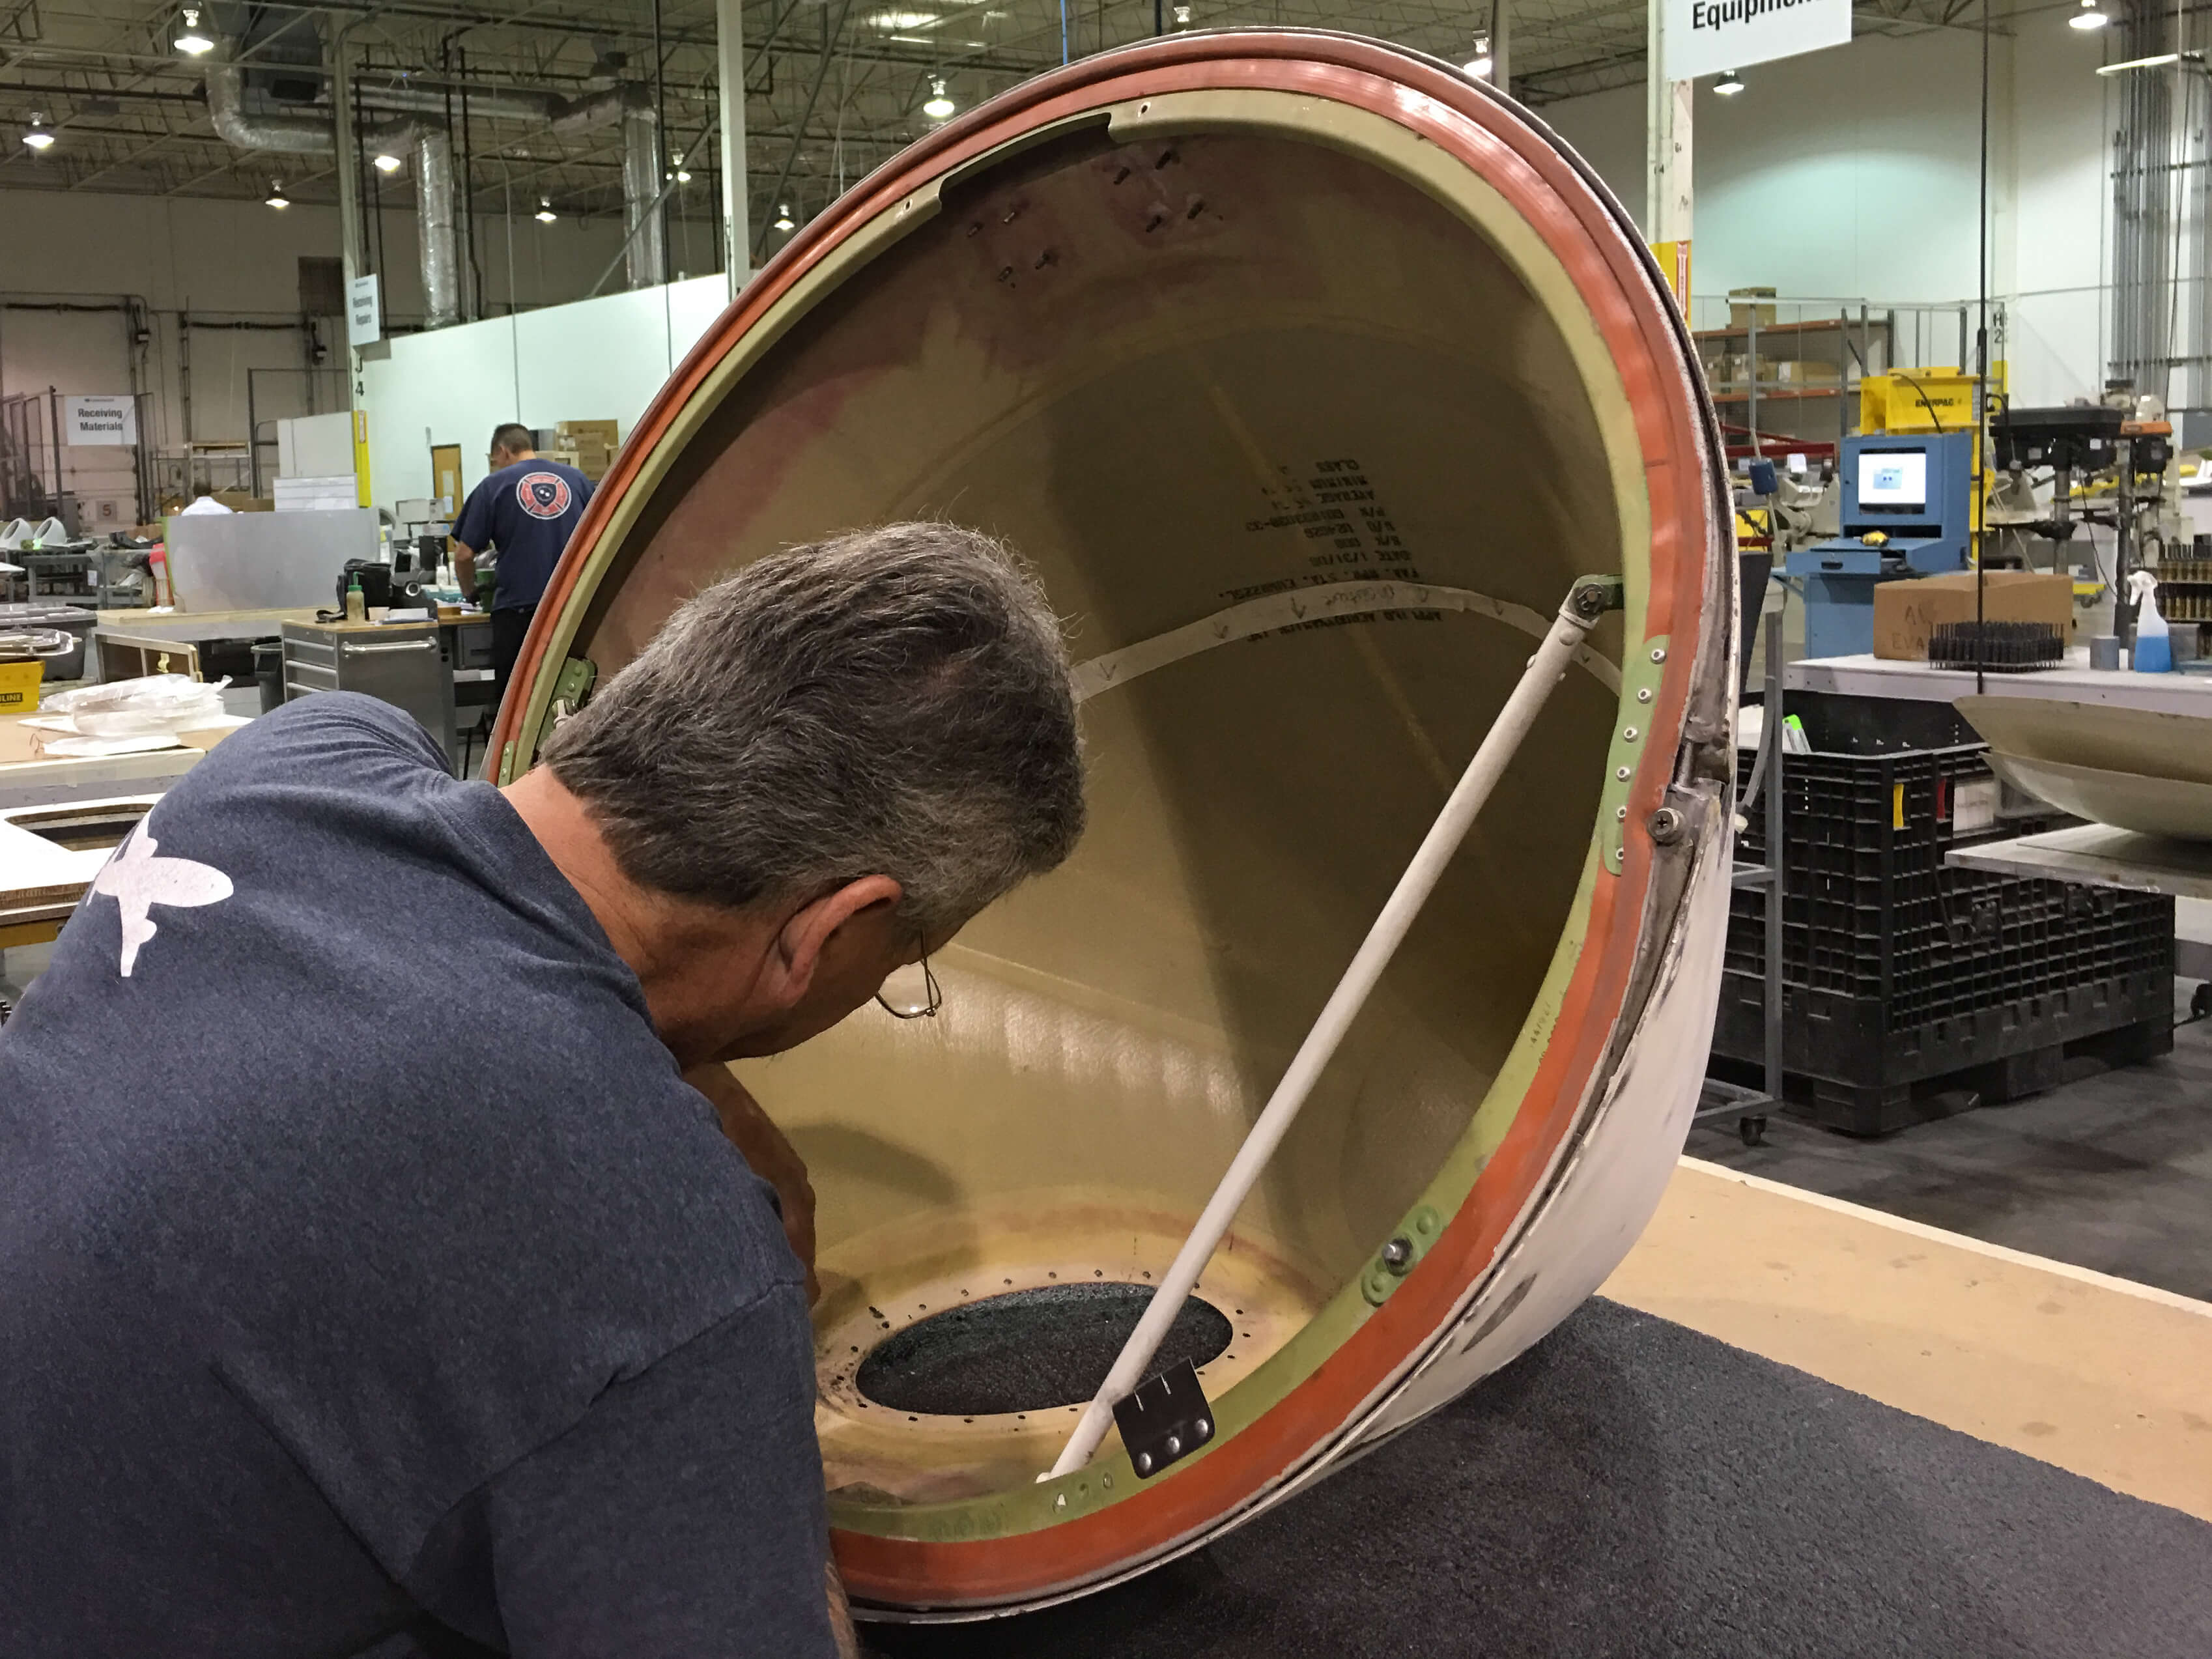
{"type": "Point", "coordinates": [772, 1158]}
{"type": "Point", "coordinates": [682, 1516]}
{"type": "Point", "coordinates": [471, 535]}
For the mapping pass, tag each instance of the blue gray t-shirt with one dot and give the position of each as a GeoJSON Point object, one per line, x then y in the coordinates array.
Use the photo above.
{"type": "Point", "coordinates": [527, 511]}
{"type": "Point", "coordinates": [370, 1281]}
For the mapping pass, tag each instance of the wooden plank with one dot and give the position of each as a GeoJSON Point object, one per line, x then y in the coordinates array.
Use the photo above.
{"type": "Point", "coordinates": [2089, 1372]}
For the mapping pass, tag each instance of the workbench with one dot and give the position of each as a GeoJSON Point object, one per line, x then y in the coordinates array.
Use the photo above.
{"type": "Point", "coordinates": [1917, 682]}
{"type": "Point", "coordinates": [2099, 855]}
{"type": "Point", "coordinates": [28, 778]}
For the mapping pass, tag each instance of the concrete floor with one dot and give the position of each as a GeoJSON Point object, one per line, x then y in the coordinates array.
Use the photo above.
{"type": "Point", "coordinates": [2110, 1171]}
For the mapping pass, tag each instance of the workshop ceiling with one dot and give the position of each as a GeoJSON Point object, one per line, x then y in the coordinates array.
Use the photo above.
{"type": "Point", "coordinates": [832, 88]}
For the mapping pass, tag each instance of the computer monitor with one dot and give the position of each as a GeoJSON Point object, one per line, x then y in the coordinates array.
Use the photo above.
{"type": "Point", "coordinates": [1892, 480]}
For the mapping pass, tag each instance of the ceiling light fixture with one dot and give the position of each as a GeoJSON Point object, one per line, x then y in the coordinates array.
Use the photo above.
{"type": "Point", "coordinates": [2159, 61]}
{"type": "Point", "coordinates": [389, 164]}
{"type": "Point", "coordinates": [40, 137]}
{"type": "Point", "coordinates": [277, 196]}
{"type": "Point", "coordinates": [1729, 84]}
{"type": "Point", "coordinates": [903, 20]}
{"type": "Point", "coordinates": [1183, 17]}
{"type": "Point", "coordinates": [2088, 17]}
{"type": "Point", "coordinates": [1479, 65]}
{"type": "Point", "coordinates": [783, 219]}
{"type": "Point", "coordinates": [940, 104]}
{"type": "Point", "coordinates": [189, 41]}
{"type": "Point", "coordinates": [545, 215]}
{"type": "Point", "coordinates": [682, 176]}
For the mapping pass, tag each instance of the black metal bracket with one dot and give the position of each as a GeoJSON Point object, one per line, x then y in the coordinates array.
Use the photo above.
{"type": "Point", "coordinates": [1165, 1420]}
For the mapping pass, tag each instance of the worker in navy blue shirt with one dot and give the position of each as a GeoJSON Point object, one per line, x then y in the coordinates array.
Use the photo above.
{"type": "Point", "coordinates": [525, 508]}
{"type": "Point", "coordinates": [323, 1334]}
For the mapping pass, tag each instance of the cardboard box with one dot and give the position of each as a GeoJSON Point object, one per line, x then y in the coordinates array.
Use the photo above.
{"type": "Point", "coordinates": [606, 431]}
{"type": "Point", "coordinates": [1750, 304]}
{"type": "Point", "coordinates": [1906, 613]}
{"type": "Point", "coordinates": [1805, 371]}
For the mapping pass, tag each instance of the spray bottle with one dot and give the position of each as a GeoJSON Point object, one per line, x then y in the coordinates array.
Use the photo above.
{"type": "Point", "coordinates": [2154, 653]}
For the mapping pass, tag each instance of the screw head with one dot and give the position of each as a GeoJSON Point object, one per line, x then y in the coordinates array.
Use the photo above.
{"type": "Point", "coordinates": [1665, 825]}
{"type": "Point", "coordinates": [1202, 1428]}
{"type": "Point", "coordinates": [1143, 1462]}
{"type": "Point", "coordinates": [1175, 1445]}
{"type": "Point", "coordinates": [1397, 1254]}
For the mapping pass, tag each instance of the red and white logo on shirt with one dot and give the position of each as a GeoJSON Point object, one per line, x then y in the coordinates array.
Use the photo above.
{"type": "Point", "coordinates": [542, 494]}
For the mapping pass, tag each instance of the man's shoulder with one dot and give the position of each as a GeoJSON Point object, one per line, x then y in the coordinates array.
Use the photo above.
{"type": "Point", "coordinates": [329, 729]}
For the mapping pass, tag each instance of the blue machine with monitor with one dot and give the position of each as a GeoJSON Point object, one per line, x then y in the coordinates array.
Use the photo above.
{"type": "Point", "coordinates": [1907, 512]}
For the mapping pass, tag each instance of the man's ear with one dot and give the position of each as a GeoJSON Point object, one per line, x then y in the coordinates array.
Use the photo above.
{"type": "Point", "coordinates": [825, 928]}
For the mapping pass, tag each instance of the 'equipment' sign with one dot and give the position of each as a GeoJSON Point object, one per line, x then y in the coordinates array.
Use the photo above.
{"type": "Point", "coordinates": [1704, 37]}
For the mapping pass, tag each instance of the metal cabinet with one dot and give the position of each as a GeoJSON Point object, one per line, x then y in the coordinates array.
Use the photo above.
{"type": "Point", "coordinates": [404, 665]}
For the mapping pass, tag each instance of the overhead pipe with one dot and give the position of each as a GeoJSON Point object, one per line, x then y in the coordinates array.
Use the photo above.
{"type": "Point", "coordinates": [287, 135]}
{"type": "Point", "coordinates": [434, 220]}
{"type": "Point", "coordinates": [435, 186]}
{"type": "Point", "coordinates": [646, 245]}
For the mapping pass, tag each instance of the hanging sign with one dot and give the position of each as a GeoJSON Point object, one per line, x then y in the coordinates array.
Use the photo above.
{"type": "Point", "coordinates": [1704, 37]}
{"type": "Point", "coordinates": [364, 313]}
{"type": "Point", "coordinates": [100, 419]}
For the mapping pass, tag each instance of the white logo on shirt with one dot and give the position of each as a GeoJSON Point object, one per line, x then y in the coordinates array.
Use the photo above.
{"type": "Point", "coordinates": [137, 881]}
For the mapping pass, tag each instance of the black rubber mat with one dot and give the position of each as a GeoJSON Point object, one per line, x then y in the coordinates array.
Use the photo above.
{"type": "Point", "coordinates": [1632, 1488]}
{"type": "Point", "coordinates": [1028, 1351]}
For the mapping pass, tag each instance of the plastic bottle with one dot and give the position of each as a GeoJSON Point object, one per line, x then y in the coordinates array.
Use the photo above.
{"type": "Point", "coordinates": [2154, 653]}
{"type": "Point", "coordinates": [356, 602]}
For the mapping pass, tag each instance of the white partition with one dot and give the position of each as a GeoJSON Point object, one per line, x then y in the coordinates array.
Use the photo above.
{"type": "Point", "coordinates": [263, 561]}
{"type": "Point", "coordinates": [598, 359]}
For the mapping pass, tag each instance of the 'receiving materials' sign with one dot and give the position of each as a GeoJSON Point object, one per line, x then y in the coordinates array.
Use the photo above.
{"type": "Point", "coordinates": [94, 420]}
{"type": "Point", "coordinates": [1704, 37]}
{"type": "Point", "coordinates": [364, 313]}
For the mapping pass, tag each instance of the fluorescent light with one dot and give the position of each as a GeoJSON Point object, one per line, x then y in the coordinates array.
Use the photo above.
{"type": "Point", "coordinates": [903, 20]}
{"type": "Point", "coordinates": [389, 164]}
{"type": "Point", "coordinates": [1729, 84]}
{"type": "Point", "coordinates": [40, 137]}
{"type": "Point", "coordinates": [277, 196]}
{"type": "Point", "coordinates": [2157, 62]}
{"type": "Point", "coordinates": [783, 219]}
{"type": "Point", "coordinates": [190, 41]}
{"type": "Point", "coordinates": [1479, 65]}
{"type": "Point", "coordinates": [2088, 17]}
{"type": "Point", "coordinates": [545, 215]}
{"type": "Point", "coordinates": [940, 104]}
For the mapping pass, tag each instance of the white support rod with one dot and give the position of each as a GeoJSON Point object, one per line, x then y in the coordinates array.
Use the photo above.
{"type": "Point", "coordinates": [1545, 670]}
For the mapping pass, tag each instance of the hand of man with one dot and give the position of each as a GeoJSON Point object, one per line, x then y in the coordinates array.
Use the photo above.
{"type": "Point", "coordinates": [773, 1158]}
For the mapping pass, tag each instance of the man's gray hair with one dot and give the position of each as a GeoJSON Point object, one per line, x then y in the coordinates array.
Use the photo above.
{"type": "Point", "coordinates": [893, 702]}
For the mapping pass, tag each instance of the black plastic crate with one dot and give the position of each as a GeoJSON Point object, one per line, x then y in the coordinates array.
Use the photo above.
{"type": "Point", "coordinates": [1899, 971]}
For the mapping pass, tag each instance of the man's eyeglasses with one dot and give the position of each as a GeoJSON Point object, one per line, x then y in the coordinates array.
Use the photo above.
{"type": "Point", "coordinates": [911, 992]}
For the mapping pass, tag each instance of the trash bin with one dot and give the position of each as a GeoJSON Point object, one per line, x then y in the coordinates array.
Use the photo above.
{"type": "Point", "coordinates": [269, 671]}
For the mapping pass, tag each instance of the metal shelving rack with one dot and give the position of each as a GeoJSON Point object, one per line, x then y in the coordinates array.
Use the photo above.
{"type": "Point", "coordinates": [1749, 1107]}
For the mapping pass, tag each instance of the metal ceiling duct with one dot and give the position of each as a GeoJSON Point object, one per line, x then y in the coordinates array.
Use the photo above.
{"type": "Point", "coordinates": [645, 252]}
{"type": "Point", "coordinates": [434, 183]}
{"type": "Point", "coordinates": [1311, 372]}
{"type": "Point", "coordinates": [435, 238]}
{"type": "Point", "coordinates": [287, 135]}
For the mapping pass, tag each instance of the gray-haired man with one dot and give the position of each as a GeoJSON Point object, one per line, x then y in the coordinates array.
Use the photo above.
{"type": "Point", "coordinates": [321, 1333]}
